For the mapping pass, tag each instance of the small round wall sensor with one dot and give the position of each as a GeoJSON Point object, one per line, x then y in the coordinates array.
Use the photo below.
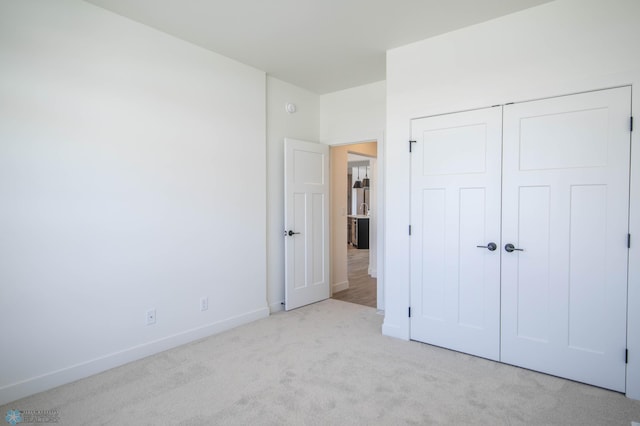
{"type": "Point", "coordinates": [291, 108]}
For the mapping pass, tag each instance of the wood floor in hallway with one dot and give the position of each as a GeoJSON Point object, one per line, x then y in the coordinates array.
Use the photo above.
{"type": "Point", "coordinates": [362, 287]}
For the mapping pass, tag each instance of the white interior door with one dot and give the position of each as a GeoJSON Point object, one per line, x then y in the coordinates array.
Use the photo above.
{"type": "Point", "coordinates": [565, 204]}
{"type": "Point", "coordinates": [306, 207]}
{"type": "Point", "coordinates": [455, 207]}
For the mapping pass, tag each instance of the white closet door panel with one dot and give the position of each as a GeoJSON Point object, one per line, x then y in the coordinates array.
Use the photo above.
{"type": "Point", "coordinates": [433, 245]}
{"type": "Point", "coordinates": [565, 204]}
{"type": "Point", "coordinates": [534, 287]}
{"type": "Point", "coordinates": [455, 184]}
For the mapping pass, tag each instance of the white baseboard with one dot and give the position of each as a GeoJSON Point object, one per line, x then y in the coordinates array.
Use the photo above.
{"type": "Point", "coordinates": [393, 330]}
{"type": "Point", "coordinates": [340, 287]}
{"type": "Point", "coordinates": [72, 373]}
{"type": "Point", "coordinates": [276, 307]}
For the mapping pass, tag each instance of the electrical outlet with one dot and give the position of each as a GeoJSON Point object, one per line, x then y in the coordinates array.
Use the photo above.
{"type": "Point", "coordinates": [204, 303]}
{"type": "Point", "coordinates": [151, 316]}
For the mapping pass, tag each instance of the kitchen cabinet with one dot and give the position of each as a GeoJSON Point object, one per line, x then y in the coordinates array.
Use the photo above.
{"type": "Point", "coordinates": [358, 229]}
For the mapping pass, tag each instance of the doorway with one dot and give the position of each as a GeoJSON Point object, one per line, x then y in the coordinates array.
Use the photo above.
{"type": "Point", "coordinates": [354, 223]}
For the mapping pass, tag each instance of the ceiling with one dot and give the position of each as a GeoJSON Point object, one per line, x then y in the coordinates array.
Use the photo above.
{"type": "Point", "coordinates": [320, 45]}
{"type": "Point", "coordinates": [355, 160]}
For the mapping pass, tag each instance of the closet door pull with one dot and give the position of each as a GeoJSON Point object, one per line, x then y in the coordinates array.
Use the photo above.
{"type": "Point", "coordinates": [510, 247]}
{"type": "Point", "coordinates": [490, 246]}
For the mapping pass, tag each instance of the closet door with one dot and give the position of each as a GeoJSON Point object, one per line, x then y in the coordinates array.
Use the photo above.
{"type": "Point", "coordinates": [565, 210]}
{"type": "Point", "coordinates": [455, 208]}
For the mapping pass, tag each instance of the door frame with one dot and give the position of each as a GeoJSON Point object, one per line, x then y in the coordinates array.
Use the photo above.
{"type": "Point", "coordinates": [379, 212]}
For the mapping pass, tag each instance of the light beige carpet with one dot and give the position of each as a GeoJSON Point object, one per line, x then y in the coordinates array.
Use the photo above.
{"type": "Point", "coordinates": [325, 364]}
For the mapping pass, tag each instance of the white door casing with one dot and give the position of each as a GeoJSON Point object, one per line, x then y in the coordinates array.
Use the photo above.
{"type": "Point", "coordinates": [455, 207]}
{"type": "Point", "coordinates": [566, 203]}
{"type": "Point", "coordinates": [306, 188]}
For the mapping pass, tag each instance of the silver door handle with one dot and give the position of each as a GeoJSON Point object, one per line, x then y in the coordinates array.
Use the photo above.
{"type": "Point", "coordinates": [510, 247]}
{"type": "Point", "coordinates": [490, 246]}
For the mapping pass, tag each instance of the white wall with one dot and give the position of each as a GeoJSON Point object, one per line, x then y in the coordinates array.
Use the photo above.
{"type": "Point", "coordinates": [562, 47]}
{"type": "Point", "coordinates": [120, 157]}
{"type": "Point", "coordinates": [353, 115]}
{"type": "Point", "coordinates": [302, 125]}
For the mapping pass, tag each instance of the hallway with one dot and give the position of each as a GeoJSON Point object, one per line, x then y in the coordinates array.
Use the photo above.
{"type": "Point", "coordinates": [362, 287]}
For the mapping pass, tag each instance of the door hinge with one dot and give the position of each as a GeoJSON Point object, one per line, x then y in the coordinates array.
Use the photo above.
{"type": "Point", "coordinates": [411, 146]}
{"type": "Point", "coordinates": [409, 311]}
{"type": "Point", "coordinates": [628, 240]}
{"type": "Point", "coordinates": [626, 356]}
{"type": "Point", "coordinates": [631, 123]}
{"type": "Point", "coordinates": [409, 229]}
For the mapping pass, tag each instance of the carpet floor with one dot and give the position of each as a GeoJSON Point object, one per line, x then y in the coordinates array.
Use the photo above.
{"type": "Point", "coordinates": [325, 364]}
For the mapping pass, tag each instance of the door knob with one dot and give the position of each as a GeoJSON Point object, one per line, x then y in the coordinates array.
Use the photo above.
{"type": "Point", "coordinates": [290, 233]}
{"type": "Point", "coordinates": [490, 246]}
{"type": "Point", "coordinates": [510, 247]}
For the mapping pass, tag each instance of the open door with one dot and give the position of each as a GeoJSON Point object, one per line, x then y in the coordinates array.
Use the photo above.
{"type": "Point", "coordinates": [306, 220]}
